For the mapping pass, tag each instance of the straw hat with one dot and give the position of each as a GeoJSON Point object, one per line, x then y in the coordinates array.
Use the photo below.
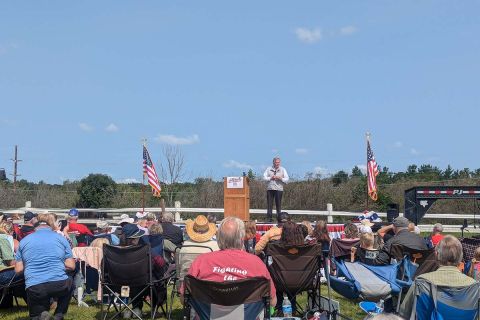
{"type": "Point", "coordinates": [367, 222]}
{"type": "Point", "coordinates": [200, 230]}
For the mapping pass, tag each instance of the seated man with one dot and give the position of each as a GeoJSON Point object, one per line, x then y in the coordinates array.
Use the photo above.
{"type": "Point", "coordinates": [232, 262]}
{"type": "Point", "coordinates": [200, 233]}
{"type": "Point", "coordinates": [449, 254]}
{"type": "Point", "coordinates": [45, 257]}
{"type": "Point", "coordinates": [170, 231]}
{"type": "Point", "coordinates": [402, 237]}
{"type": "Point", "coordinates": [104, 231]}
{"type": "Point", "coordinates": [81, 231]}
{"type": "Point", "coordinates": [273, 234]}
{"type": "Point", "coordinates": [6, 255]}
{"type": "Point", "coordinates": [29, 219]}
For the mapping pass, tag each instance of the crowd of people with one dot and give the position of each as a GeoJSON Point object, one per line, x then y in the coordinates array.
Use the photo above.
{"type": "Point", "coordinates": [40, 251]}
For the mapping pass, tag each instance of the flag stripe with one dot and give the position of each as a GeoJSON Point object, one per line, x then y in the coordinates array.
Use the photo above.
{"type": "Point", "coordinates": [372, 173]}
{"type": "Point", "coordinates": [151, 173]}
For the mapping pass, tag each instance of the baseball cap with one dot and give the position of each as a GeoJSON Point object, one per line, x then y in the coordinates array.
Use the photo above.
{"type": "Point", "coordinates": [401, 222]}
{"type": "Point", "coordinates": [73, 212]}
{"type": "Point", "coordinates": [283, 217]}
{"type": "Point", "coordinates": [29, 216]}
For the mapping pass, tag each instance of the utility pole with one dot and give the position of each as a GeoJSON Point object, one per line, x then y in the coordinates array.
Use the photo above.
{"type": "Point", "coordinates": [15, 175]}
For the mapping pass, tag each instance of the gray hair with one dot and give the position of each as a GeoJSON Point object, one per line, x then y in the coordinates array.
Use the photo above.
{"type": "Point", "coordinates": [231, 233]}
{"type": "Point", "coordinates": [155, 229]}
{"type": "Point", "coordinates": [449, 251]}
{"type": "Point", "coordinates": [168, 217]}
{"type": "Point", "coordinates": [276, 158]}
{"type": "Point", "coordinates": [437, 227]}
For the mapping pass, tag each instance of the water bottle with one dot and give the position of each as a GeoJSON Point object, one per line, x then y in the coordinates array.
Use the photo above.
{"type": "Point", "coordinates": [286, 307]}
{"type": "Point", "coordinates": [379, 306]}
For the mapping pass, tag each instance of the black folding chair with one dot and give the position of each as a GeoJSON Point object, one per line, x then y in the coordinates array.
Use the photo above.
{"type": "Point", "coordinates": [296, 269]}
{"type": "Point", "coordinates": [127, 268]}
{"type": "Point", "coordinates": [183, 260]}
{"type": "Point", "coordinates": [16, 283]}
{"type": "Point", "coordinates": [242, 299]}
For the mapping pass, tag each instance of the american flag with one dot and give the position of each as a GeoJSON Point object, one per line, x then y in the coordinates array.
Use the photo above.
{"type": "Point", "coordinates": [149, 171]}
{"type": "Point", "coordinates": [372, 173]}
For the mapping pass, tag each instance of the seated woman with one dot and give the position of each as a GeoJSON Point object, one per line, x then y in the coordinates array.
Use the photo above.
{"type": "Point", "coordinates": [7, 260]}
{"type": "Point", "coordinates": [251, 236]}
{"type": "Point", "coordinates": [292, 234]}
{"type": "Point", "coordinates": [321, 235]}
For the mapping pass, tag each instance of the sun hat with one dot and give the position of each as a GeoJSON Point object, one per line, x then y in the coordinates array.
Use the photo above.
{"type": "Point", "coordinates": [200, 230]}
{"type": "Point", "coordinates": [141, 214]}
{"type": "Point", "coordinates": [367, 222]}
{"type": "Point", "coordinates": [124, 218]}
{"type": "Point", "coordinates": [365, 229]}
{"type": "Point", "coordinates": [102, 224]}
{"type": "Point", "coordinates": [132, 231]}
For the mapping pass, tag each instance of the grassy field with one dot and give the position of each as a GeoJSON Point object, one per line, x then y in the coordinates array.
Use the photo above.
{"type": "Point", "coordinates": [347, 307]}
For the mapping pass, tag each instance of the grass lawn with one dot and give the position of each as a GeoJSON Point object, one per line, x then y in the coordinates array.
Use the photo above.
{"type": "Point", "coordinates": [347, 307]}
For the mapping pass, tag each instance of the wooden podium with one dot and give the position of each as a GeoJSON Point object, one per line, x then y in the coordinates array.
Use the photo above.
{"type": "Point", "coordinates": [236, 197]}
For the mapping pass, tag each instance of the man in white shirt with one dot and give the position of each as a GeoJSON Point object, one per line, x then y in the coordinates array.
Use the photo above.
{"type": "Point", "coordinates": [276, 176]}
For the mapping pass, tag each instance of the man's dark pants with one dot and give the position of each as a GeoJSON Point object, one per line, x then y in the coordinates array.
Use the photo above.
{"type": "Point", "coordinates": [271, 195]}
{"type": "Point", "coordinates": [38, 297]}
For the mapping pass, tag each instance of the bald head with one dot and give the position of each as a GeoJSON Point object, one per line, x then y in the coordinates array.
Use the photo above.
{"type": "Point", "coordinates": [231, 233]}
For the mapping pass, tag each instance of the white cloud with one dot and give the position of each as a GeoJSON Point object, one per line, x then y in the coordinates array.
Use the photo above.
{"type": "Point", "coordinates": [321, 171]}
{"type": "Point", "coordinates": [112, 128]}
{"type": "Point", "coordinates": [128, 180]}
{"type": "Point", "coordinates": [301, 151]}
{"type": "Point", "coordinates": [85, 127]}
{"type": "Point", "coordinates": [414, 152]}
{"type": "Point", "coordinates": [237, 165]}
{"type": "Point", "coordinates": [309, 36]}
{"type": "Point", "coordinates": [171, 139]}
{"type": "Point", "coordinates": [348, 30]}
{"type": "Point", "coordinates": [398, 144]}
{"type": "Point", "coordinates": [362, 168]}
{"type": "Point", "coordinates": [5, 48]}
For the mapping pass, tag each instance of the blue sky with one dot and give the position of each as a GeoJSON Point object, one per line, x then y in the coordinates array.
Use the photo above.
{"type": "Point", "coordinates": [81, 83]}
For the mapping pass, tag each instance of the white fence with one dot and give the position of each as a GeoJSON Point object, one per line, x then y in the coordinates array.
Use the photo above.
{"type": "Point", "coordinates": [329, 214]}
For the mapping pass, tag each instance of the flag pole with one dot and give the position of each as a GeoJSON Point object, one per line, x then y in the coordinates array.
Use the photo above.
{"type": "Point", "coordinates": [367, 136]}
{"type": "Point", "coordinates": [144, 142]}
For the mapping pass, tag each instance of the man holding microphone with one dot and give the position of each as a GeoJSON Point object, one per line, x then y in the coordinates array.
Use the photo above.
{"type": "Point", "coordinates": [276, 176]}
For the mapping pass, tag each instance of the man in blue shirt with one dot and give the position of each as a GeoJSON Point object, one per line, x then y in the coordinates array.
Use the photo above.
{"type": "Point", "coordinates": [45, 257]}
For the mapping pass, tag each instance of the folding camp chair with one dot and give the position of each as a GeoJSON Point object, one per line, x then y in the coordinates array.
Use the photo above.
{"type": "Point", "coordinates": [438, 302]}
{"type": "Point", "coordinates": [418, 261]}
{"type": "Point", "coordinates": [183, 261]}
{"type": "Point", "coordinates": [16, 283]}
{"type": "Point", "coordinates": [242, 299]}
{"type": "Point", "coordinates": [127, 269]}
{"type": "Point", "coordinates": [296, 269]}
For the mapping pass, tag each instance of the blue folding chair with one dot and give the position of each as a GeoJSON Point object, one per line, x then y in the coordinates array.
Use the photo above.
{"type": "Point", "coordinates": [443, 303]}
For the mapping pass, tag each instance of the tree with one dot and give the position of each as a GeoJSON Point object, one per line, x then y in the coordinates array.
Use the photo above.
{"type": "Point", "coordinates": [356, 172]}
{"type": "Point", "coordinates": [96, 191]}
{"type": "Point", "coordinates": [339, 177]}
{"type": "Point", "coordinates": [251, 175]}
{"type": "Point", "coordinates": [447, 174]}
{"type": "Point", "coordinates": [172, 170]}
